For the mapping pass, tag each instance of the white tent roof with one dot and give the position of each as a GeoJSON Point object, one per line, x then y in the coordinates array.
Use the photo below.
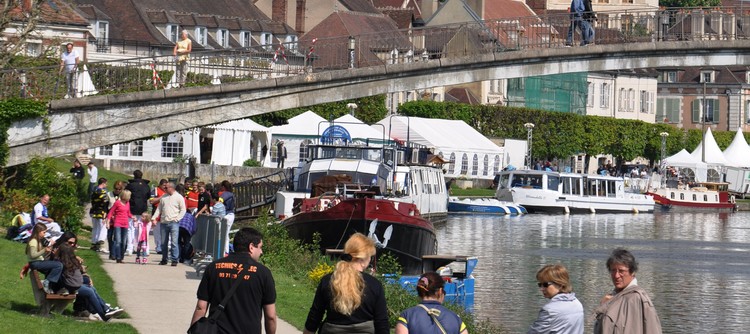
{"type": "Point", "coordinates": [714, 156]}
{"type": "Point", "coordinates": [304, 124]}
{"type": "Point", "coordinates": [738, 152]}
{"type": "Point", "coordinates": [683, 159]}
{"type": "Point", "coordinates": [240, 125]}
{"type": "Point", "coordinates": [358, 129]}
{"type": "Point", "coordinates": [445, 135]}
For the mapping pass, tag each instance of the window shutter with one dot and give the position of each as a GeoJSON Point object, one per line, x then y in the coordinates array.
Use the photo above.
{"type": "Point", "coordinates": [696, 108]}
{"type": "Point", "coordinates": [660, 114]}
{"type": "Point", "coordinates": [716, 110]}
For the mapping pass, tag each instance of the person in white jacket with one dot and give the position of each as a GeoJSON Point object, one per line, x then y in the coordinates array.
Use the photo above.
{"type": "Point", "coordinates": [563, 313]}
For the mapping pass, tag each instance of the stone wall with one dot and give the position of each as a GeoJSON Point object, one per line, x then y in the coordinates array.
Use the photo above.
{"type": "Point", "coordinates": [155, 171]}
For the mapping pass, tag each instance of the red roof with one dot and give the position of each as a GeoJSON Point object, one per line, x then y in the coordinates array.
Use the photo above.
{"type": "Point", "coordinates": [53, 12]}
{"type": "Point", "coordinates": [505, 9]}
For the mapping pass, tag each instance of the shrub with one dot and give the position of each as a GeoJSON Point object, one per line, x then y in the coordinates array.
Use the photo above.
{"type": "Point", "coordinates": [251, 163]}
{"type": "Point", "coordinates": [42, 178]}
{"type": "Point", "coordinates": [18, 200]}
{"type": "Point", "coordinates": [319, 271]}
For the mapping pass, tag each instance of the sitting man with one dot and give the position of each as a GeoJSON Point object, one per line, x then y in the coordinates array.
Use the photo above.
{"type": "Point", "coordinates": [40, 215]}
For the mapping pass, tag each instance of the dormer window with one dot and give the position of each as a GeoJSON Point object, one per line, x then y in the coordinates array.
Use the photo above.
{"type": "Point", "coordinates": [173, 32]}
{"type": "Point", "coordinates": [707, 76]}
{"type": "Point", "coordinates": [291, 42]}
{"type": "Point", "coordinates": [670, 76]}
{"type": "Point", "coordinates": [222, 37]}
{"type": "Point", "coordinates": [201, 35]}
{"type": "Point", "coordinates": [245, 39]}
{"type": "Point", "coordinates": [747, 77]}
{"type": "Point", "coordinates": [101, 30]}
{"type": "Point", "coordinates": [266, 39]}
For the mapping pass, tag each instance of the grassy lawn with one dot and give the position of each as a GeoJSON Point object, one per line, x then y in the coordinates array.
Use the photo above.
{"type": "Point", "coordinates": [293, 299]}
{"type": "Point", "coordinates": [18, 308]}
{"type": "Point", "coordinates": [64, 164]}
{"type": "Point", "coordinates": [472, 192]}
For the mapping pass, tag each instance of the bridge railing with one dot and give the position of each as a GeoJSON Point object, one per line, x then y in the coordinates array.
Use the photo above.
{"type": "Point", "coordinates": [376, 49]}
{"type": "Point", "coordinates": [258, 192]}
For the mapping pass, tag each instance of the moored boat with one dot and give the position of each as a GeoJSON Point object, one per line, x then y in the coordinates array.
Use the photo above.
{"type": "Point", "coordinates": [484, 206]}
{"type": "Point", "coordinates": [396, 227]}
{"type": "Point", "coordinates": [553, 192]}
{"type": "Point", "coordinates": [704, 196]}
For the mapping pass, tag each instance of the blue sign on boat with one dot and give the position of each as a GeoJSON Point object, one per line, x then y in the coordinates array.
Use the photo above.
{"type": "Point", "coordinates": [335, 134]}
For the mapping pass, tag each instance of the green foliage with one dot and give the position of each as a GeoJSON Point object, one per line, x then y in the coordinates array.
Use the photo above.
{"type": "Point", "coordinates": [16, 201]}
{"type": "Point", "coordinates": [369, 110]}
{"type": "Point", "coordinates": [251, 163]}
{"type": "Point", "coordinates": [40, 177]}
{"type": "Point", "coordinates": [689, 3]}
{"type": "Point", "coordinates": [110, 79]}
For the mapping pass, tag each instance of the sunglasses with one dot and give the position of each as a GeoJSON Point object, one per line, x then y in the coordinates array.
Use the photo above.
{"type": "Point", "coordinates": [545, 284]}
{"type": "Point", "coordinates": [71, 243]}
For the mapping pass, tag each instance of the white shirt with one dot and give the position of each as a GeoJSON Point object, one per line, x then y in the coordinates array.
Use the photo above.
{"type": "Point", "coordinates": [93, 174]}
{"type": "Point", "coordinates": [69, 59]}
{"type": "Point", "coordinates": [39, 210]}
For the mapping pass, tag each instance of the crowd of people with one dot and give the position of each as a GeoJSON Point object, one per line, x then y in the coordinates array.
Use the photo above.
{"type": "Point", "coordinates": [349, 300]}
{"type": "Point", "coordinates": [122, 220]}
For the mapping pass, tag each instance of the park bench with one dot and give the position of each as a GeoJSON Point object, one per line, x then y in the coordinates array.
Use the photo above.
{"type": "Point", "coordinates": [48, 302]}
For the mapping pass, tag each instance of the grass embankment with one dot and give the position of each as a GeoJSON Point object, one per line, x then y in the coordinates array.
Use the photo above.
{"type": "Point", "coordinates": [64, 164]}
{"type": "Point", "coordinates": [483, 192]}
{"type": "Point", "coordinates": [298, 268]}
{"type": "Point", "coordinates": [18, 308]}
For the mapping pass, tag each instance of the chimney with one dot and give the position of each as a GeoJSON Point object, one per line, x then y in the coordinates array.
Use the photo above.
{"type": "Point", "coordinates": [278, 10]}
{"type": "Point", "coordinates": [299, 23]}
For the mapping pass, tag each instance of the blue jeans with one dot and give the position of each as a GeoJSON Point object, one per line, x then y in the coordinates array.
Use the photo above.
{"type": "Point", "coordinates": [170, 230]}
{"type": "Point", "coordinates": [121, 242]}
{"type": "Point", "coordinates": [111, 242]}
{"type": "Point", "coordinates": [587, 31]}
{"type": "Point", "coordinates": [51, 269]}
{"type": "Point", "coordinates": [89, 300]}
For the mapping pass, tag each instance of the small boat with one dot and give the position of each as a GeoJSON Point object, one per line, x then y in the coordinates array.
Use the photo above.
{"type": "Point", "coordinates": [396, 227]}
{"type": "Point", "coordinates": [553, 192]}
{"type": "Point", "coordinates": [704, 196]}
{"type": "Point", "coordinates": [484, 205]}
{"type": "Point", "coordinates": [456, 271]}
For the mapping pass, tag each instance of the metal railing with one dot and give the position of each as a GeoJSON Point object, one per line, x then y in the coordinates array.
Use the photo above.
{"type": "Point", "coordinates": [378, 49]}
{"type": "Point", "coordinates": [258, 192]}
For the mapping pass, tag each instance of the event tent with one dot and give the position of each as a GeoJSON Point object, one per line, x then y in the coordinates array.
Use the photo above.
{"type": "Point", "coordinates": [738, 152]}
{"type": "Point", "coordinates": [471, 152]}
{"type": "Point", "coordinates": [714, 156]}
{"type": "Point", "coordinates": [361, 132]}
{"type": "Point", "coordinates": [237, 141]}
{"type": "Point", "coordinates": [683, 159]}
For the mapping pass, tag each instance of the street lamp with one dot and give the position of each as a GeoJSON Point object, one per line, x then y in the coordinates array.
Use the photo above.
{"type": "Point", "coordinates": [662, 165]}
{"type": "Point", "coordinates": [351, 107]}
{"type": "Point", "coordinates": [529, 136]}
{"type": "Point", "coordinates": [352, 46]}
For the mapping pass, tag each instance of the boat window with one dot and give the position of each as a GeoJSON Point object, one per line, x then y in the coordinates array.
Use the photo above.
{"type": "Point", "coordinates": [373, 154]}
{"type": "Point", "coordinates": [348, 153]}
{"type": "Point", "coordinates": [575, 186]}
{"type": "Point", "coordinates": [695, 197]}
{"type": "Point", "coordinates": [553, 182]}
{"type": "Point", "coordinates": [682, 197]}
{"type": "Point", "coordinates": [716, 198]}
{"type": "Point", "coordinates": [504, 181]}
{"type": "Point", "coordinates": [611, 188]}
{"type": "Point", "coordinates": [671, 195]}
{"type": "Point", "coordinates": [591, 187]}
{"type": "Point", "coordinates": [388, 157]}
{"type": "Point", "coordinates": [705, 198]}
{"type": "Point", "coordinates": [327, 152]}
{"type": "Point", "coordinates": [566, 185]}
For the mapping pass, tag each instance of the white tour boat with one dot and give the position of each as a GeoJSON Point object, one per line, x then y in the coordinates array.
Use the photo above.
{"type": "Point", "coordinates": [545, 191]}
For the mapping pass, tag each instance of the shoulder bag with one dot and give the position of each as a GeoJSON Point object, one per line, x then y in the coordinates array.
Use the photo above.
{"type": "Point", "coordinates": [434, 313]}
{"type": "Point", "coordinates": [209, 325]}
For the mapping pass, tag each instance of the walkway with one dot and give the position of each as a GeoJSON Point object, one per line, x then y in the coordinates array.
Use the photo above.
{"type": "Point", "coordinates": [160, 299]}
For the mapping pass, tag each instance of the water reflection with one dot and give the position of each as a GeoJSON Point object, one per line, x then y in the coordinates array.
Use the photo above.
{"type": "Point", "coordinates": [694, 265]}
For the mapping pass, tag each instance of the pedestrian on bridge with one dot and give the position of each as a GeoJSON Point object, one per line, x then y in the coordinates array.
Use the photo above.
{"type": "Point", "coordinates": [69, 64]}
{"type": "Point", "coordinates": [581, 18]}
{"type": "Point", "coordinates": [181, 52]}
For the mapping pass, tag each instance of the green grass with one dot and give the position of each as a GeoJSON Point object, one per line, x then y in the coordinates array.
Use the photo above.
{"type": "Point", "coordinates": [18, 309]}
{"type": "Point", "coordinates": [64, 164]}
{"type": "Point", "coordinates": [472, 192]}
{"type": "Point", "coordinates": [293, 299]}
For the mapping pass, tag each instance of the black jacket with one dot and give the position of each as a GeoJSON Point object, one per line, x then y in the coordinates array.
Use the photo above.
{"type": "Point", "coordinates": [140, 192]}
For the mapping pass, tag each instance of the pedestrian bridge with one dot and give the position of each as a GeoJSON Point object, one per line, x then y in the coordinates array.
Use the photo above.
{"type": "Point", "coordinates": [81, 123]}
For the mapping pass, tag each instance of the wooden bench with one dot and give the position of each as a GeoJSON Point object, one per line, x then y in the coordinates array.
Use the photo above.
{"type": "Point", "coordinates": [48, 302]}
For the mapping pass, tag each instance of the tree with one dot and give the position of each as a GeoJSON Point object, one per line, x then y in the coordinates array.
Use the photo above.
{"type": "Point", "coordinates": [369, 110]}
{"type": "Point", "coordinates": [23, 16]}
{"type": "Point", "coordinates": [689, 3]}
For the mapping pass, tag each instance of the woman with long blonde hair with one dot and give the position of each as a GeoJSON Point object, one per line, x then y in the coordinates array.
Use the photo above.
{"type": "Point", "coordinates": [353, 302]}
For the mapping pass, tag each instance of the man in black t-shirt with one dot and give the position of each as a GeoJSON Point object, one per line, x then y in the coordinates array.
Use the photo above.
{"type": "Point", "coordinates": [256, 295]}
{"type": "Point", "coordinates": [77, 170]}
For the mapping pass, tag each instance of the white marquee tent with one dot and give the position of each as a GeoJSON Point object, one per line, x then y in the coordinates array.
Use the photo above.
{"type": "Point", "coordinates": [683, 159]}
{"type": "Point", "coordinates": [237, 141]}
{"type": "Point", "coordinates": [714, 156]}
{"type": "Point", "coordinates": [738, 152]}
{"type": "Point", "coordinates": [474, 155]}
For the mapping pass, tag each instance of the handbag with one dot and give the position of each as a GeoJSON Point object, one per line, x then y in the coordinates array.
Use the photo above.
{"type": "Point", "coordinates": [209, 325]}
{"type": "Point", "coordinates": [434, 313]}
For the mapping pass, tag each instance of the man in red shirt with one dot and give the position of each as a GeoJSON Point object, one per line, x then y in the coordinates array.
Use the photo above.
{"type": "Point", "coordinates": [192, 197]}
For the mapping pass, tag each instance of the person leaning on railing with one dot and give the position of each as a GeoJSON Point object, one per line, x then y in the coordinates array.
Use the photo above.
{"type": "Point", "coordinates": [69, 62]}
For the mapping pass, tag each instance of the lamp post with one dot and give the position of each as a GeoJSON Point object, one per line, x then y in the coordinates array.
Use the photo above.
{"type": "Point", "coordinates": [529, 140]}
{"type": "Point", "coordinates": [662, 165]}
{"type": "Point", "coordinates": [351, 107]}
{"type": "Point", "coordinates": [352, 46]}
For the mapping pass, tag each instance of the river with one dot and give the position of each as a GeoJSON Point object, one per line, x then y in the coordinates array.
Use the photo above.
{"type": "Point", "coordinates": [695, 266]}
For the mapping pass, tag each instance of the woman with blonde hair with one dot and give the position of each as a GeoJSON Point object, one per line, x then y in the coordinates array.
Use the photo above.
{"type": "Point", "coordinates": [120, 217]}
{"type": "Point", "coordinates": [563, 313]}
{"type": "Point", "coordinates": [353, 302]}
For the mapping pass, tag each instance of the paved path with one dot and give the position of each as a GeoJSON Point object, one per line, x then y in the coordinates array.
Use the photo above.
{"type": "Point", "coordinates": [160, 299]}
